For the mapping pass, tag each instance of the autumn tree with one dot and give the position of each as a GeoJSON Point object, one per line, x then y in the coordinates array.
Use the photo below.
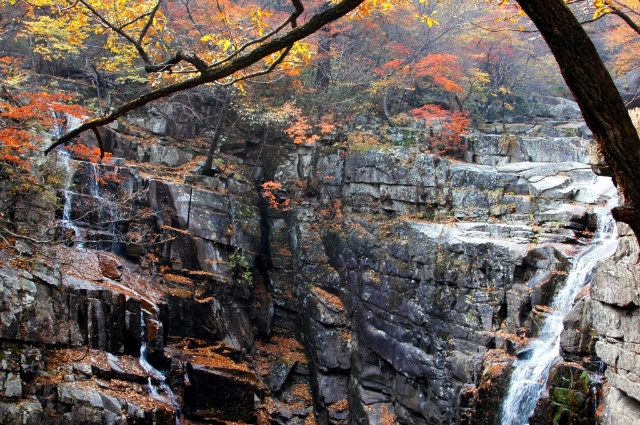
{"type": "Point", "coordinates": [227, 58]}
{"type": "Point", "coordinates": [249, 41]}
{"type": "Point", "coordinates": [25, 117]}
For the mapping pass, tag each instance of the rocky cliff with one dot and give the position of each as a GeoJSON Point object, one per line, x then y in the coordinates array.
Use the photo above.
{"type": "Point", "coordinates": [376, 284]}
{"type": "Point", "coordinates": [615, 294]}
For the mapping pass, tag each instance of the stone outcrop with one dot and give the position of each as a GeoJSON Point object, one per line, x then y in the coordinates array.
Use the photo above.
{"type": "Point", "coordinates": [401, 301]}
{"type": "Point", "coordinates": [382, 285]}
{"type": "Point", "coordinates": [616, 316]}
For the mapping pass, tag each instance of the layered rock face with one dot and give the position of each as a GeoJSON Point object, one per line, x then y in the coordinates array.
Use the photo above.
{"type": "Point", "coordinates": [412, 271]}
{"type": "Point", "coordinates": [615, 294]}
{"type": "Point", "coordinates": [394, 286]}
{"type": "Point", "coordinates": [162, 332]}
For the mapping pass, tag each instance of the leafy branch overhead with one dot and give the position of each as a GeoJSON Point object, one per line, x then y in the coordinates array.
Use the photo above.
{"type": "Point", "coordinates": [230, 65]}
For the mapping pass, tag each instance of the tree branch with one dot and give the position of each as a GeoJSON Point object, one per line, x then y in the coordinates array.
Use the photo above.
{"type": "Point", "coordinates": [151, 13]}
{"type": "Point", "coordinates": [100, 143]}
{"type": "Point", "coordinates": [299, 8]}
{"type": "Point", "coordinates": [264, 71]}
{"type": "Point", "coordinates": [616, 11]}
{"type": "Point", "coordinates": [213, 74]}
{"type": "Point", "coordinates": [143, 55]}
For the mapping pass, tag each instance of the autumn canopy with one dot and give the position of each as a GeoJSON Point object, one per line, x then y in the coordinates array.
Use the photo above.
{"type": "Point", "coordinates": [298, 67]}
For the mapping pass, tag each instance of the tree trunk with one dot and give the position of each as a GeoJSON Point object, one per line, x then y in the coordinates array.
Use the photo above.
{"type": "Point", "coordinates": [224, 104]}
{"type": "Point", "coordinates": [599, 100]}
{"type": "Point", "coordinates": [385, 109]}
{"type": "Point", "coordinates": [323, 76]}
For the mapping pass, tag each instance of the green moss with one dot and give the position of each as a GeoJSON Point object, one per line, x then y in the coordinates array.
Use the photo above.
{"type": "Point", "coordinates": [567, 397]}
{"type": "Point", "coordinates": [562, 417]}
{"type": "Point", "coordinates": [362, 148]}
{"type": "Point", "coordinates": [240, 267]}
{"type": "Point", "coordinates": [248, 212]}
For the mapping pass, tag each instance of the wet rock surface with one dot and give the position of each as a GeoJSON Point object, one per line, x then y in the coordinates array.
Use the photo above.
{"type": "Point", "coordinates": [397, 288]}
{"type": "Point", "coordinates": [616, 317]}
{"type": "Point", "coordinates": [426, 269]}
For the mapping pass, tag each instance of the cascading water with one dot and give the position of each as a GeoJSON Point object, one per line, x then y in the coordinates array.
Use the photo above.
{"type": "Point", "coordinates": [107, 210]}
{"type": "Point", "coordinates": [529, 379]}
{"type": "Point", "coordinates": [64, 162]}
{"type": "Point", "coordinates": [160, 391]}
{"type": "Point", "coordinates": [106, 213]}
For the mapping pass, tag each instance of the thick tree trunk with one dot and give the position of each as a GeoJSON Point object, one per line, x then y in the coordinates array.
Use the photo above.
{"type": "Point", "coordinates": [601, 104]}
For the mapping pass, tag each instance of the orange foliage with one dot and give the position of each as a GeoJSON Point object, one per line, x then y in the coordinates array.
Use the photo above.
{"type": "Point", "coordinates": [90, 154]}
{"type": "Point", "coordinates": [438, 70]}
{"type": "Point", "coordinates": [298, 132]}
{"type": "Point", "coordinates": [273, 202]}
{"type": "Point", "coordinates": [327, 125]}
{"type": "Point", "coordinates": [301, 128]}
{"type": "Point", "coordinates": [24, 115]}
{"type": "Point", "coordinates": [448, 140]}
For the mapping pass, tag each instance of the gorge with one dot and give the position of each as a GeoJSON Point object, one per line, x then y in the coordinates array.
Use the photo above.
{"type": "Point", "coordinates": [368, 284]}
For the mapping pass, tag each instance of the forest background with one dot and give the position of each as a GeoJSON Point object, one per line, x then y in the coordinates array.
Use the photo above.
{"type": "Point", "coordinates": [446, 67]}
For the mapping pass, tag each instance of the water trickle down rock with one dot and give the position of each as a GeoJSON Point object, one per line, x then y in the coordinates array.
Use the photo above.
{"type": "Point", "coordinates": [399, 305]}
{"type": "Point", "coordinates": [530, 376]}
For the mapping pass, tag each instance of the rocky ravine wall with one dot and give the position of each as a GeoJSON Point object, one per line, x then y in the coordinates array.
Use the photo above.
{"type": "Point", "coordinates": [436, 266]}
{"type": "Point", "coordinates": [616, 314]}
{"type": "Point", "coordinates": [409, 281]}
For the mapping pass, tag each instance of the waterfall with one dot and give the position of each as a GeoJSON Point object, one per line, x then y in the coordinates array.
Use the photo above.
{"type": "Point", "coordinates": [107, 209]}
{"type": "Point", "coordinates": [160, 391]}
{"type": "Point", "coordinates": [64, 161]}
{"type": "Point", "coordinates": [529, 379]}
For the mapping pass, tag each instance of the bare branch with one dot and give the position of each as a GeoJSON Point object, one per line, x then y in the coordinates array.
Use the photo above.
{"type": "Point", "coordinates": [141, 52]}
{"type": "Point", "coordinates": [616, 11]}
{"type": "Point", "coordinates": [285, 41]}
{"type": "Point", "coordinates": [152, 14]}
{"type": "Point", "coordinates": [191, 18]}
{"type": "Point", "coordinates": [64, 9]}
{"type": "Point", "coordinates": [134, 20]}
{"type": "Point", "coordinates": [194, 60]}
{"type": "Point", "coordinates": [299, 8]}
{"type": "Point", "coordinates": [264, 71]}
{"type": "Point", "coordinates": [626, 8]}
{"type": "Point", "coordinates": [100, 143]}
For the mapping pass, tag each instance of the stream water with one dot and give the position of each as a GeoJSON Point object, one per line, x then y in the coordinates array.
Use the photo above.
{"type": "Point", "coordinates": [105, 210]}
{"type": "Point", "coordinates": [64, 161]}
{"type": "Point", "coordinates": [529, 379]}
{"type": "Point", "coordinates": [156, 382]}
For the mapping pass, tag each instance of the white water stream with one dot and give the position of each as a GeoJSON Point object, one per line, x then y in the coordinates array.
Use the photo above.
{"type": "Point", "coordinates": [64, 161]}
{"type": "Point", "coordinates": [106, 210]}
{"type": "Point", "coordinates": [160, 390]}
{"type": "Point", "coordinates": [529, 379]}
